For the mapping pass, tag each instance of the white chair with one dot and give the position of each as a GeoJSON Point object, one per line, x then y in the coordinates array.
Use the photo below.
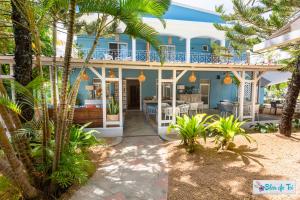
{"type": "Point", "coordinates": [193, 108]}
{"type": "Point", "coordinates": [184, 109]}
{"type": "Point", "coordinates": [168, 112]}
{"type": "Point", "coordinates": [200, 106]}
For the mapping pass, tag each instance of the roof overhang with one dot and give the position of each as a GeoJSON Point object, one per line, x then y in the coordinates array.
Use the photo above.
{"type": "Point", "coordinates": [278, 42]}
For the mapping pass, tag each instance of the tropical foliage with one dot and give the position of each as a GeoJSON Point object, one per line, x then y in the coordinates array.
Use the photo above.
{"type": "Point", "coordinates": [265, 128]}
{"type": "Point", "coordinates": [226, 128]}
{"type": "Point", "coordinates": [190, 129]}
{"type": "Point", "coordinates": [253, 21]}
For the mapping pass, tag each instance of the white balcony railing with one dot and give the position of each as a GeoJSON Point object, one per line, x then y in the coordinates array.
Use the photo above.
{"type": "Point", "coordinates": [171, 57]}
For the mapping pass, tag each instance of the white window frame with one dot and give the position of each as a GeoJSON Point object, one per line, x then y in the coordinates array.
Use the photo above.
{"type": "Point", "coordinates": [208, 83]}
{"type": "Point", "coordinates": [205, 46]}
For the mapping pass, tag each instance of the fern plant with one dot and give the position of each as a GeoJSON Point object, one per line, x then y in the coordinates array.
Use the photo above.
{"type": "Point", "coordinates": [190, 129]}
{"type": "Point", "coordinates": [113, 107]}
{"type": "Point", "coordinates": [226, 128]}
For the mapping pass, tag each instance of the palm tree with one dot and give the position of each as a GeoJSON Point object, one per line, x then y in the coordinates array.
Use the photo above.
{"type": "Point", "coordinates": [23, 52]}
{"type": "Point", "coordinates": [129, 12]}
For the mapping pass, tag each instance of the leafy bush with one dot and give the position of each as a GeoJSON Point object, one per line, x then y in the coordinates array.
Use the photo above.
{"type": "Point", "coordinates": [265, 128]}
{"type": "Point", "coordinates": [226, 128]}
{"type": "Point", "coordinates": [79, 138]}
{"type": "Point", "coordinates": [74, 168]}
{"type": "Point", "coordinates": [296, 123]}
{"type": "Point", "coordinates": [190, 129]}
{"type": "Point", "coordinates": [113, 107]}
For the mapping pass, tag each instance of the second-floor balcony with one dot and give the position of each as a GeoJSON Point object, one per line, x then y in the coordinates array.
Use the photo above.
{"type": "Point", "coordinates": [169, 57]}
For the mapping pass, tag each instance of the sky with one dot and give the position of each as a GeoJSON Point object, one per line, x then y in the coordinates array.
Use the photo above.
{"type": "Point", "coordinates": [207, 4]}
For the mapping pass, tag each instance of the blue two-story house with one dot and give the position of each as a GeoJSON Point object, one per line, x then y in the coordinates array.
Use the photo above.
{"type": "Point", "coordinates": [186, 46]}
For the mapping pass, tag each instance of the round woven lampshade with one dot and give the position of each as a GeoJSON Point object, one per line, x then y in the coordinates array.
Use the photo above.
{"type": "Point", "coordinates": [142, 77]}
{"type": "Point", "coordinates": [112, 74]}
{"type": "Point", "coordinates": [192, 78]}
{"type": "Point", "coordinates": [227, 80]}
{"type": "Point", "coordinates": [85, 76]}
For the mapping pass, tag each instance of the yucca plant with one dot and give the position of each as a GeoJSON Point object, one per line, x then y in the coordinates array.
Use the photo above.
{"type": "Point", "coordinates": [113, 107]}
{"type": "Point", "coordinates": [190, 129]}
{"type": "Point", "coordinates": [226, 128]}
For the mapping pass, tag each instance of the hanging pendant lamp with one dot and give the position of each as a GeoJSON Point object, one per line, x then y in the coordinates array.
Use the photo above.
{"type": "Point", "coordinates": [227, 80]}
{"type": "Point", "coordinates": [111, 74]}
{"type": "Point", "coordinates": [192, 78]}
{"type": "Point", "coordinates": [142, 77]}
{"type": "Point", "coordinates": [85, 76]}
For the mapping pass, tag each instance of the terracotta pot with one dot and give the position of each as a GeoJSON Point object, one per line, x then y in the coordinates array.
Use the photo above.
{"type": "Point", "coordinates": [112, 117]}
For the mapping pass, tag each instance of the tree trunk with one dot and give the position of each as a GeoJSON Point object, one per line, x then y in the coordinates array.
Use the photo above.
{"type": "Point", "coordinates": [62, 114]}
{"type": "Point", "coordinates": [290, 102]}
{"type": "Point", "coordinates": [28, 191]}
{"type": "Point", "coordinates": [23, 55]}
{"type": "Point", "coordinates": [53, 69]}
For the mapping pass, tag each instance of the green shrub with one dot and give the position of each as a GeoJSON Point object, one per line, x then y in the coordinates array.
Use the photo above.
{"type": "Point", "coordinates": [79, 138]}
{"type": "Point", "coordinates": [74, 168]}
{"type": "Point", "coordinates": [226, 128]}
{"type": "Point", "coordinates": [190, 129]}
{"type": "Point", "coordinates": [265, 128]}
{"type": "Point", "coordinates": [296, 123]}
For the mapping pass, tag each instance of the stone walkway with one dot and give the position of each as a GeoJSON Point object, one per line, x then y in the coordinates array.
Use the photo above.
{"type": "Point", "coordinates": [136, 169]}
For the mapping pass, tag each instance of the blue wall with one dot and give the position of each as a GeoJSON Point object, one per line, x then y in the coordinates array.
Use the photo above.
{"type": "Point", "coordinates": [218, 90]}
{"type": "Point", "coordinates": [181, 13]}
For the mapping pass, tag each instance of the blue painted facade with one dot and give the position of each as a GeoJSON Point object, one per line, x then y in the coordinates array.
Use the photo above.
{"type": "Point", "coordinates": [218, 90]}
{"type": "Point", "coordinates": [177, 12]}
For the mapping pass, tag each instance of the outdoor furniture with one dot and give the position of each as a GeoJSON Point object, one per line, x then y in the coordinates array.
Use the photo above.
{"type": "Point", "coordinates": [196, 107]}
{"type": "Point", "coordinates": [168, 111]}
{"type": "Point", "coordinates": [184, 109]}
{"type": "Point", "coordinates": [274, 105]}
{"type": "Point", "coordinates": [226, 108]}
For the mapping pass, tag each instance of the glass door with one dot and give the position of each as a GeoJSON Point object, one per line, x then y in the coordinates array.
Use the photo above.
{"type": "Point", "coordinates": [205, 91]}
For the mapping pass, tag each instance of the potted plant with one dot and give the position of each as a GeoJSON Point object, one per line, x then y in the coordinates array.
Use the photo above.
{"type": "Point", "coordinates": [112, 111]}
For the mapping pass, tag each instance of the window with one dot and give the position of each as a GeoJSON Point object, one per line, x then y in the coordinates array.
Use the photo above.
{"type": "Point", "coordinates": [205, 91]}
{"type": "Point", "coordinates": [168, 52]}
{"type": "Point", "coordinates": [118, 50]}
{"type": "Point", "coordinates": [204, 47]}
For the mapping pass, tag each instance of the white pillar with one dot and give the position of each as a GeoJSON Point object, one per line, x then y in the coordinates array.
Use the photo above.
{"type": "Point", "coordinates": [174, 97]}
{"type": "Point", "coordinates": [104, 96]}
{"type": "Point", "coordinates": [120, 97]}
{"type": "Point", "coordinates": [188, 50]}
{"type": "Point", "coordinates": [159, 100]}
{"type": "Point", "coordinates": [133, 49]}
{"type": "Point", "coordinates": [223, 43]}
{"type": "Point", "coordinates": [242, 96]}
{"type": "Point", "coordinates": [13, 89]}
{"type": "Point", "coordinates": [254, 95]}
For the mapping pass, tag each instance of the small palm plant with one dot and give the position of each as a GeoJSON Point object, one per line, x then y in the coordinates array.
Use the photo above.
{"type": "Point", "coordinates": [113, 107]}
{"type": "Point", "coordinates": [226, 128]}
{"type": "Point", "coordinates": [190, 129]}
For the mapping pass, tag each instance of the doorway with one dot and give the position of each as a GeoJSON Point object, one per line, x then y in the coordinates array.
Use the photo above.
{"type": "Point", "coordinates": [133, 94]}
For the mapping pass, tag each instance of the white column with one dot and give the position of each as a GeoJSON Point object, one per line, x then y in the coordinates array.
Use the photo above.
{"type": "Point", "coordinates": [223, 43]}
{"type": "Point", "coordinates": [174, 96]}
{"type": "Point", "coordinates": [242, 96]}
{"type": "Point", "coordinates": [159, 100]}
{"type": "Point", "coordinates": [104, 96]}
{"type": "Point", "coordinates": [254, 95]}
{"type": "Point", "coordinates": [133, 49]}
{"type": "Point", "coordinates": [188, 50]}
{"type": "Point", "coordinates": [13, 89]}
{"type": "Point", "coordinates": [120, 97]}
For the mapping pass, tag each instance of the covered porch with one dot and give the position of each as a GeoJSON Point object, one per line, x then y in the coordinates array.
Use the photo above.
{"type": "Point", "coordinates": [165, 87]}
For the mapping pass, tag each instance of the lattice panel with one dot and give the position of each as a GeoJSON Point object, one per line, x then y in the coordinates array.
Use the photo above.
{"type": "Point", "coordinates": [248, 91]}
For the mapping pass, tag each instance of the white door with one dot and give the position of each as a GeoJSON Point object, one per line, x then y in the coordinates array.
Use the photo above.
{"type": "Point", "coordinates": [205, 91]}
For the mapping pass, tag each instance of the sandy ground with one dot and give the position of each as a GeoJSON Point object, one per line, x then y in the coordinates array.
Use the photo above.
{"type": "Point", "coordinates": [210, 175]}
